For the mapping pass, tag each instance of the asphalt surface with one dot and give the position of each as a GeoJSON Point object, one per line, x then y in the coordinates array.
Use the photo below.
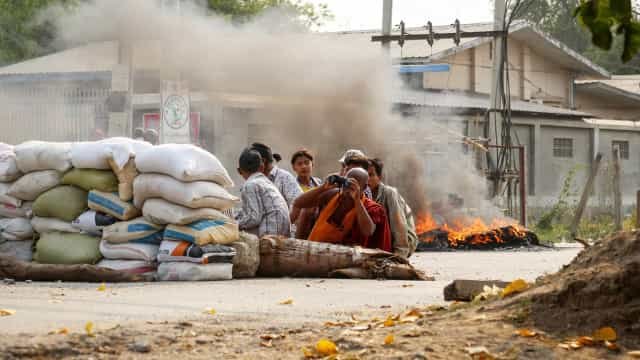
{"type": "Point", "coordinates": [42, 307]}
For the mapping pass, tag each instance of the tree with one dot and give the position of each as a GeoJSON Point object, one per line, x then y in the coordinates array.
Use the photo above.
{"type": "Point", "coordinates": [240, 11]}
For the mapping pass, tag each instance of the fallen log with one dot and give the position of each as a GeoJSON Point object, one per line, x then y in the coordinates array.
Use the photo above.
{"type": "Point", "coordinates": [20, 271]}
{"type": "Point", "coordinates": [466, 290]}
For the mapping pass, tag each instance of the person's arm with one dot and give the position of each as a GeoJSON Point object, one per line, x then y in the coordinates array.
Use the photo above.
{"type": "Point", "coordinates": [251, 215]}
{"type": "Point", "coordinates": [398, 223]}
{"type": "Point", "coordinates": [294, 214]}
{"type": "Point", "coordinates": [365, 223]}
{"type": "Point", "coordinates": [312, 198]}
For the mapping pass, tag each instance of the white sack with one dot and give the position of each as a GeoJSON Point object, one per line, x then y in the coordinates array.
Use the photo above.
{"type": "Point", "coordinates": [43, 225]}
{"type": "Point", "coordinates": [8, 166]}
{"type": "Point", "coordinates": [160, 211]}
{"type": "Point", "coordinates": [184, 162]}
{"type": "Point", "coordinates": [40, 155]}
{"type": "Point", "coordinates": [129, 251]}
{"type": "Point", "coordinates": [138, 231]}
{"type": "Point", "coordinates": [186, 271]}
{"type": "Point", "coordinates": [197, 194]}
{"type": "Point", "coordinates": [92, 222]}
{"type": "Point", "coordinates": [7, 199]}
{"type": "Point", "coordinates": [19, 250]}
{"type": "Point", "coordinates": [10, 211]}
{"type": "Point", "coordinates": [16, 229]}
{"type": "Point", "coordinates": [129, 266]}
{"type": "Point", "coordinates": [96, 154]}
{"type": "Point", "coordinates": [6, 147]}
{"type": "Point", "coordinates": [31, 185]}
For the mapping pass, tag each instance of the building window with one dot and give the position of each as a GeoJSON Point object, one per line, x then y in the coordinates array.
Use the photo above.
{"type": "Point", "coordinates": [563, 147]}
{"type": "Point", "coordinates": [623, 148]}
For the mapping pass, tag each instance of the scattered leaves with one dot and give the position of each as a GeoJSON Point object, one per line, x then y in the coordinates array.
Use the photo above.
{"type": "Point", "coordinates": [389, 322]}
{"type": "Point", "coordinates": [516, 286]}
{"type": "Point", "coordinates": [61, 331]}
{"type": "Point", "coordinates": [286, 302]}
{"type": "Point", "coordinates": [526, 333]}
{"type": "Point", "coordinates": [407, 285]}
{"type": "Point", "coordinates": [7, 312]}
{"type": "Point", "coordinates": [102, 287]}
{"type": "Point", "coordinates": [89, 328]}
{"type": "Point", "coordinates": [611, 345]}
{"type": "Point", "coordinates": [210, 311]}
{"type": "Point", "coordinates": [326, 347]}
{"type": "Point", "coordinates": [389, 339]}
{"type": "Point", "coordinates": [586, 340]}
{"type": "Point", "coordinates": [307, 353]}
{"type": "Point", "coordinates": [606, 333]}
{"type": "Point", "coordinates": [267, 344]}
{"type": "Point", "coordinates": [634, 354]}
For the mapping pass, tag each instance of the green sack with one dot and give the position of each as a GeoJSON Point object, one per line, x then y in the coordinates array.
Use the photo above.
{"type": "Point", "coordinates": [62, 202]}
{"type": "Point", "coordinates": [91, 179]}
{"type": "Point", "coordinates": [67, 248]}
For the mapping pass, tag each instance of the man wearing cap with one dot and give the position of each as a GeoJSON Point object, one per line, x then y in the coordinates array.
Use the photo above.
{"type": "Point", "coordinates": [354, 158]}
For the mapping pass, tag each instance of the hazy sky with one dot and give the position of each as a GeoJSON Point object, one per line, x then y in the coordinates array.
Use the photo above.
{"type": "Point", "coordinates": [367, 14]}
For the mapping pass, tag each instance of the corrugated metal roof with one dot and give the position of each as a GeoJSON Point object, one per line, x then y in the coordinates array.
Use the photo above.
{"type": "Point", "coordinates": [93, 57]}
{"type": "Point", "coordinates": [613, 93]}
{"type": "Point", "coordinates": [461, 100]}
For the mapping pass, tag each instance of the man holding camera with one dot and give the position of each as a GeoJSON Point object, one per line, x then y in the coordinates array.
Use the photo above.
{"type": "Point", "coordinates": [346, 216]}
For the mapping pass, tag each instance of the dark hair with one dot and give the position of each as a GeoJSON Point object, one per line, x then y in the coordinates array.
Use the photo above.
{"type": "Point", "coordinates": [277, 157]}
{"type": "Point", "coordinates": [301, 153]}
{"type": "Point", "coordinates": [264, 150]}
{"type": "Point", "coordinates": [358, 161]}
{"type": "Point", "coordinates": [250, 160]}
{"type": "Point", "coordinates": [377, 164]}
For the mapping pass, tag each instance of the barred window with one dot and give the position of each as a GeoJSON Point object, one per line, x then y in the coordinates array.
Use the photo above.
{"type": "Point", "coordinates": [623, 148]}
{"type": "Point", "coordinates": [563, 147]}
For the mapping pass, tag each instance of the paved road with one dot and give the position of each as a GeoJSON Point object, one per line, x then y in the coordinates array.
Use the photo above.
{"type": "Point", "coordinates": [41, 307]}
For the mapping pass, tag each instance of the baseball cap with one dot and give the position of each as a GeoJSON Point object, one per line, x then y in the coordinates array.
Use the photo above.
{"type": "Point", "coordinates": [350, 153]}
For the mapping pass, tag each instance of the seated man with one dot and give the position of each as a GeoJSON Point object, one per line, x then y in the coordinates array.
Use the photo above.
{"type": "Point", "coordinates": [264, 210]}
{"type": "Point", "coordinates": [346, 216]}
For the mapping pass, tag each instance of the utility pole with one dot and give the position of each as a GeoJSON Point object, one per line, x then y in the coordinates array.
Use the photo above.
{"type": "Point", "coordinates": [387, 10]}
{"type": "Point", "coordinates": [494, 128]}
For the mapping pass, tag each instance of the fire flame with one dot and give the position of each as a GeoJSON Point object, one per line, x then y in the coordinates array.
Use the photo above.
{"type": "Point", "coordinates": [472, 230]}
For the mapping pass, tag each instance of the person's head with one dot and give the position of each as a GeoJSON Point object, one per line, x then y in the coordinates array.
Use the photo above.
{"type": "Point", "coordinates": [361, 176]}
{"type": "Point", "coordinates": [347, 154]}
{"type": "Point", "coordinates": [151, 136]}
{"type": "Point", "coordinates": [249, 163]}
{"type": "Point", "coordinates": [375, 172]}
{"type": "Point", "coordinates": [138, 133]}
{"type": "Point", "coordinates": [266, 154]}
{"type": "Point", "coordinates": [302, 162]}
{"type": "Point", "coordinates": [356, 161]}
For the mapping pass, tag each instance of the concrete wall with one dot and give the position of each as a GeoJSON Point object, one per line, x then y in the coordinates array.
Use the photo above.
{"type": "Point", "coordinates": [630, 179]}
{"type": "Point", "coordinates": [604, 108]}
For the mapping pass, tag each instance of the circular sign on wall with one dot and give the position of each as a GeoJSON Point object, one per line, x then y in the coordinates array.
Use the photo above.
{"type": "Point", "coordinates": [175, 111]}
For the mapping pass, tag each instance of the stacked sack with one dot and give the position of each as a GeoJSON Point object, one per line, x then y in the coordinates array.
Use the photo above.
{"type": "Point", "coordinates": [182, 187]}
{"type": "Point", "coordinates": [126, 241]}
{"type": "Point", "coordinates": [16, 233]}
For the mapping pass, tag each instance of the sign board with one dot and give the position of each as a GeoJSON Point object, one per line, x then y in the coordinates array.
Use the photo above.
{"type": "Point", "coordinates": [152, 121]}
{"type": "Point", "coordinates": [175, 124]}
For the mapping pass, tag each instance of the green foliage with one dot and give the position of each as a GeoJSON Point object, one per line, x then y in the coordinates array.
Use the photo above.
{"type": "Point", "coordinates": [606, 18]}
{"type": "Point", "coordinates": [241, 11]}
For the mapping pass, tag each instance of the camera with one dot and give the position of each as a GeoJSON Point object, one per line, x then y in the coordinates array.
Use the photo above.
{"type": "Point", "coordinates": [338, 180]}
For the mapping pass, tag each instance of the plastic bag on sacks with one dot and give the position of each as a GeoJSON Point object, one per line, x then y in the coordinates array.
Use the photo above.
{"type": "Point", "coordinates": [138, 231]}
{"type": "Point", "coordinates": [110, 203]}
{"type": "Point", "coordinates": [247, 259]}
{"type": "Point", "coordinates": [184, 162]}
{"type": "Point", "coordinates": [160, 211]}
{"type": "Point", "coordinates": [33, 184]}
{"type": "Point", "coordinates": [91, 179]}
{"type": "Point", "coordinates": [19, 250]}
{"type": "Point", "coordinates": [7, 199]}
{"type": "Point", "coordinates": [197, 194]}
{"type": "Point", "coordinates": [10, 211]}
{"type": "Point", "coordinates": [129, 266]}
{"type": "Point", "coordinates": [186, 271]}
{"type": "Point", "coordinates": [92, 222]}
{"type": "Point", "coordinates": [204, 232]}
{"type": "Point", "coordinates": [8, 166]}
{"type": "Point", "coordinates": [44, 225]}
{"type": "Point", "coordinates": [40, 155]}
{"type": "Point", "coordinates": [188, 252]}
{"type": "Point", "coordinates": [16, 229]}
{"type": "Point", "coordinates": [96, 154]}
{"type": "Point", "coordinates": [129, 251]}
{"type": "Point", "coordinates": [63, 202]}
{"type": "Point", "coordinates": [67, 248]}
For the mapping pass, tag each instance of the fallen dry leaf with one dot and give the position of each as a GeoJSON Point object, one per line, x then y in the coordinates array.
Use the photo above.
{"type": "Point", "coordinates": [611, 345]}
{"type": "Point", "coordinates": [88, 327]}
{"type": "Point", "coordinates": [564, 346]}
{"type": "Point", "coordinates": [606, 333]}
{"type": "Point", "coordinates": [268, 343]}
{"type": "Point", "coordinates": [361, 328]}
{"type": "Point", "coordinates": [526, 333]}
{"type": "Point", "coordinates": [516, 286]}
{"type": "Point", "coordinates": [102, 287]}
{"type": "Point", "coordinates": [407, 285]}
{"type": "Point", "coordinates": [286, 302]}
{"type": "Point", "coordinates": [479, 353]}
{"type": "Point", "coordinates": [61, 331]}
{"type": "Point", "coordinates": [585, 340]}
{"type": "Point", "coordinates": [389, 339]}
{"type": "Point", "coordinates": [307, 353]}
{"type": "Point", "coordinates": [326, 347]}
{"type": "Point", "coordinates": [210, 311]}
{"type": "Point", "coordinates": [389, 322]}
{"type": "Point", "coordinates": [7, 312]}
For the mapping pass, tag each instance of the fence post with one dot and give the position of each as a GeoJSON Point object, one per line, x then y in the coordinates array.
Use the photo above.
{"type": "Point", "coordinates": [585, 197]}
{"type": "Point", "coordinates": [617, 193]}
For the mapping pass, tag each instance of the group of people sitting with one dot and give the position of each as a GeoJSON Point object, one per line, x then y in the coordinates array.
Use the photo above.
{"type": "Point", "coordinates": [352, 207]}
